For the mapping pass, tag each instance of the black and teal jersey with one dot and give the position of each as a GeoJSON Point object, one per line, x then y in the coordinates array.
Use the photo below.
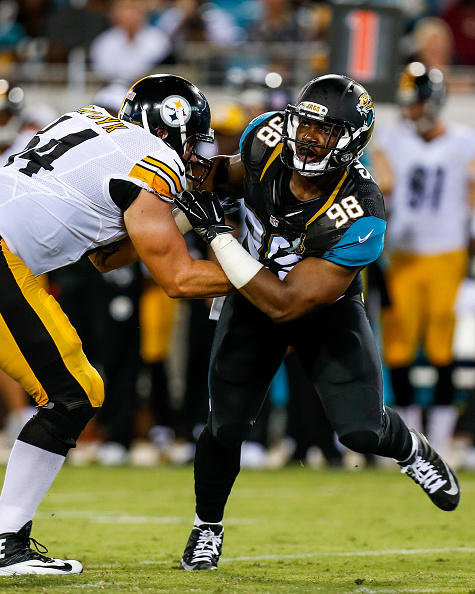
{"type": "Point", "coordinates": [345, 226]}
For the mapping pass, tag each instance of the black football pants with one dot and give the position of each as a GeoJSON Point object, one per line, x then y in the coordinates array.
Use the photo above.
{"type": "Point", "coordinates": [338, 353]}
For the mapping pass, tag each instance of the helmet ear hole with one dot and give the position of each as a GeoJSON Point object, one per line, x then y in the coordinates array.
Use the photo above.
{"type": "Point", "coordinates": [162, 133]}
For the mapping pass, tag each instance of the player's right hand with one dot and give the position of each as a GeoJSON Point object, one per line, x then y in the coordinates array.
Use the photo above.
{"type": "Point", "coordinates": [205, 213]}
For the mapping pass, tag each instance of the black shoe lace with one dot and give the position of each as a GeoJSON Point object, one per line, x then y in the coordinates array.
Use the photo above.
{"type": "Point", "coordinates": [40, 548]}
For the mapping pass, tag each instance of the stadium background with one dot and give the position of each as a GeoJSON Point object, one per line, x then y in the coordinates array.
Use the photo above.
{"type": "Point", "coordinates": [367, 41]}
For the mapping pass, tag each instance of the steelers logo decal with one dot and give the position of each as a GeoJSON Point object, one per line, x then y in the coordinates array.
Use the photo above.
{"type": "Point", "coordinates": [171, 109]}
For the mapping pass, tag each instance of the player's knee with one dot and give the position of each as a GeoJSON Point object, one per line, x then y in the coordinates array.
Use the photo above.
{"type": "Point", "coordinates": [362, 441]}
{"type": "Point", "coordinates": [55, 428]}
{"type": "Point", "coordinates": [232, 435]}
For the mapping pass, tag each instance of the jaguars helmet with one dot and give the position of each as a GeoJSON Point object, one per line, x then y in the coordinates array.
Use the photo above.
{"type": "Point", "coordinates": [171, 103]}
{"type": "Point", "coordinates": [336, 101]}
{"type": "Point", "coordinates": [419, 84]}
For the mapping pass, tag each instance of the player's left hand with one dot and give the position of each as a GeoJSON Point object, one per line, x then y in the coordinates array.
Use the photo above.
{"type": "Point", "coordinates": [205, 213]}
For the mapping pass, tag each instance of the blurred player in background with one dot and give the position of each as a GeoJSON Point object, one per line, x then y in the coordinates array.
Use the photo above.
{"type": "Point", "coordinates": [87, 184]}
{"type": "Point", "coordinates": [315, 218]}
{"type": "Point", "coordinates": [431, 193]}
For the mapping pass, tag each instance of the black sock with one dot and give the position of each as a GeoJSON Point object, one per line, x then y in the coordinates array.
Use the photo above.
{"type": "Point", "coordinates": [397, 441]}
{"type": "Point", "coordinates": [216, 469]}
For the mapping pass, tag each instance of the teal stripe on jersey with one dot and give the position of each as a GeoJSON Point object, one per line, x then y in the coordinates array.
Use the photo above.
{"type": "Point", "coordinates": [255, 122]}
{"type": "Point", "coordinates": [362, 243]}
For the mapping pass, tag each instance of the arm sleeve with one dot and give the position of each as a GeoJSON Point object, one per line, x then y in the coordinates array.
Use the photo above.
{"type": "Point", "coordinates": [362, 243]}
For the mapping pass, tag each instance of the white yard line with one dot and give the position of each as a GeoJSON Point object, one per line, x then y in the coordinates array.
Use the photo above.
{"type": "Point", "coordinates": [315, 555]}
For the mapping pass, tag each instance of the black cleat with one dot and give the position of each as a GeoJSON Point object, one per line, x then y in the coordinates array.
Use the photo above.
{"type": "Point", "coordinates": [18, 558]}
{"type": "Point", "coordinates": [203, 548]}
{"type": "Point", "coordinates": [433, 474]}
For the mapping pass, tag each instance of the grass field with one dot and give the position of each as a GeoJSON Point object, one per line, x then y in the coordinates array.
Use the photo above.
{"type": "Point", "coordinates": [290, 530]}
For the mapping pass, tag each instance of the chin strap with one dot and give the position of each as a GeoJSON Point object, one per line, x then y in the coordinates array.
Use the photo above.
{"type": "Point", "coordinates": [182, 128]}
{"type": "Point", "coordinates": [145, 121]}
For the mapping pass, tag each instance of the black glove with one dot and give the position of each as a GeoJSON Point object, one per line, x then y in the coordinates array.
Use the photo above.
{"type": "Point", "coordinates": [205, 213]}
{"type": "Point", "coordinates": [230, 205]}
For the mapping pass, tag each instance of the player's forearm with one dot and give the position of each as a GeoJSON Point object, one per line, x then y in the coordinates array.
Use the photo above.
{"type": "Point", "coordinates": [114, 255]}
{"type": "Point", "coordinates": [256, 283]}
{"type": "Point", "coordinates": [199, 280]}
{"type": "Point", "coordinates": [311, 285]}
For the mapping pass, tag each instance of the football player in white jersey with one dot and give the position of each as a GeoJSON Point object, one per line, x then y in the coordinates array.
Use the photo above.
{"type": "Point", "coordinates": [430, 194]}
{"type": "Point", "coordinates": [91, 185]}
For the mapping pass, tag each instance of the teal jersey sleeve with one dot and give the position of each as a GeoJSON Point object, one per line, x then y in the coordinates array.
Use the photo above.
{"type": "Point", "coordinates": [255, 122]}
{"type": "Point", "coordinates": [362, 243]}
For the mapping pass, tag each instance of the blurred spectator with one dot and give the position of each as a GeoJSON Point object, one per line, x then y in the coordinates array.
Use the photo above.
{"type": "Point", "coordinates": [31, 119]}
{"type": "Point", "coordinates": [111, 97]}
{"type": "Point", "coordinates": [460, 16]}
{"type": "Point", "coordinates": [72, 25]}
{"type": "Point", "coordinates": [278, 22]}
{"type": "Point", "coordinates": [11, 32]}
{"type": "Point", "coordinates": [198, 20]}
{"type": "Point", "coordinates": [130, 47]}
{"type": "Point", "coordinates": [432, 43]}
{"type": "Point", "coordinates": [258, 89]}
{"type": "Point", "coordinates": [32, 15]}
{"type": "Point", "coordinates": [11, 105]}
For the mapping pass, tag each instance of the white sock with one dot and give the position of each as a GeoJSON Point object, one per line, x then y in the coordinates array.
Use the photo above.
{"type": "Point", "coordinates": [441, 421]}
{"type": "Point", "coordinates": [30, 473]}
{"type": "Point", "coordinates": [198, 522]}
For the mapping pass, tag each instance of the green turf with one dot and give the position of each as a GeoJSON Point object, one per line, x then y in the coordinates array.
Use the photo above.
{"type": "Point", "coordinates": [291, 530]}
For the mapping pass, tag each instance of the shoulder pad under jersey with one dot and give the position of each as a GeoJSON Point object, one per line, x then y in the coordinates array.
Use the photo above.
{"type": "Point", "coordinates": [262, 139]}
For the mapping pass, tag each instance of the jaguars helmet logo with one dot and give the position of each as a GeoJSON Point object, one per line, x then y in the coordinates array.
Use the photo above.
{"type": "Point", "coordinates": [365, 108]}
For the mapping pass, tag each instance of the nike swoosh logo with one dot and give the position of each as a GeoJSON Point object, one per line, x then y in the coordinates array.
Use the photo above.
{"type": "Point", "coordinates": [453, 485]}
{"type": "Point", "coordinates": [65, 567]}
{"type": "Point", "coordinates": [363, 239]}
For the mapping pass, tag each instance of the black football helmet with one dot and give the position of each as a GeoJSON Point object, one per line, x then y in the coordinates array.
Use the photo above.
{"type": "Point", "coordinates": [336, 101]}
{"type": "Point", "coordinates": [171, 103]}
{"type": "Point", "coordinates": [421, 85]}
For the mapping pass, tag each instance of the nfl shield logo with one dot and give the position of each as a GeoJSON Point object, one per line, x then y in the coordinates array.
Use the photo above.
{"type": "Point", "coordinates": [273, 221]}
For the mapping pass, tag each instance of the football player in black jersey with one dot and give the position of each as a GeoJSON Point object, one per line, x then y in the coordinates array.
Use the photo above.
{"type": "Point", "coordinates": [315, 218]}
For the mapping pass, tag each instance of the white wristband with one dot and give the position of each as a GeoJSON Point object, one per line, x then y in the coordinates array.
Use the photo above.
{"type": "Point", "coordinates": [181, 221]}
{"type": "Point", "coordinates": [239, 266]}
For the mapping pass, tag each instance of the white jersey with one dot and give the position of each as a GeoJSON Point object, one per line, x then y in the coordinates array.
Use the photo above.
{"type": "Point", "coordinates": [55, 196]}
{"type": "Point", "coordinates": [429, 208]}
